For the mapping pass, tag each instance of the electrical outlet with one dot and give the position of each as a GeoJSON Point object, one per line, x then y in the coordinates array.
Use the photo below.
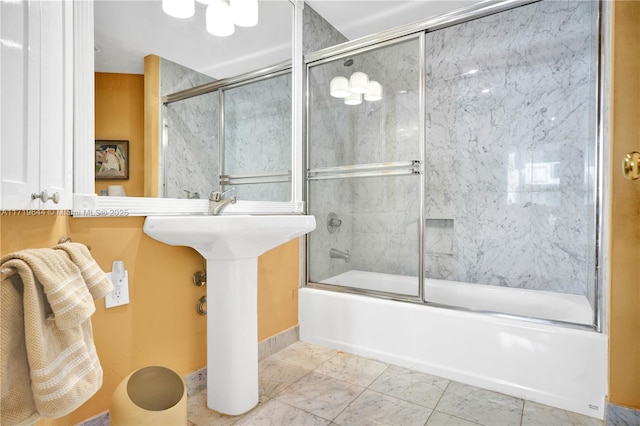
{"type": "Point", "coordinates": [120, 294]}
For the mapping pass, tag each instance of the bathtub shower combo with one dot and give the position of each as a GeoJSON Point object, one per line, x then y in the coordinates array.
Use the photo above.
{"type": "Point", "coordinates": [457, 200]}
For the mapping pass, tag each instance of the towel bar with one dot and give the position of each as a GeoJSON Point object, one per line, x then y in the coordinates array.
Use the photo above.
{"type": "Point", "coordinates": [63, 240]}
{"type": "Point", "coordinates": [9, 272]}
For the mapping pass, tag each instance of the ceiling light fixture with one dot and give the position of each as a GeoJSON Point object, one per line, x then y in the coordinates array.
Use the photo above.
{"type": "Point", "coordinates": [221, 16]}
{"type": "Point", "coordinates": [218, 19]}
{"type": "Point", "coordinates": [244, 12]}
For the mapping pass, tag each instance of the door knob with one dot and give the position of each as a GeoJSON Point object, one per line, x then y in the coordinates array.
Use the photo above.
{"type": "Point", "coordinates": [631, 165]}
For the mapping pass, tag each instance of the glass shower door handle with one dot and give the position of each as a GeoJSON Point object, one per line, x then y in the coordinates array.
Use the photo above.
{"type": "Point", "coordinates": [631, 165]}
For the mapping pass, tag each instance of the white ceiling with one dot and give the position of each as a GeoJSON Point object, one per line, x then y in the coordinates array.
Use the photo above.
{"type": "Point", "coordinates": [128, 30]}
{"type": "Point", "coordinates": [359, 18]}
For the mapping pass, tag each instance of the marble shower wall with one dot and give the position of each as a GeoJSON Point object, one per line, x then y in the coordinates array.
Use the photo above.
{"type": "Point", "coordinates": [318, 33]}
{"type": "Point", "coordinates": [257, 135]}
{"type": "Point", "coordinates": [510, 147]}
{"type": "Point", "coordinates": [190, 156]}
{"type": "Point", "coordinates": [509, 171]}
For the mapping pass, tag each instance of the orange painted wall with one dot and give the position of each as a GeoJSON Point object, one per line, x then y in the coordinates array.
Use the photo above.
{"type": "Point", "coordinates": [160, 325]}
{"type": "Point", "coordinates": [119, 112]}
{"type": "Point", "coordinates": [624, 320]}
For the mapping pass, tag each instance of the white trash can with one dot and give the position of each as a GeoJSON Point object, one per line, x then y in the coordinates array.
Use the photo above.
{"type": "Point", "coordinates": [152, 396]}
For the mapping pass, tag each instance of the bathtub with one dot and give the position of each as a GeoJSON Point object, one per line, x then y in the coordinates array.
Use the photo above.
{"type": "Point", "coordinates": [554, 365]}
{"type": "Point", "coordinates": [529, 303]}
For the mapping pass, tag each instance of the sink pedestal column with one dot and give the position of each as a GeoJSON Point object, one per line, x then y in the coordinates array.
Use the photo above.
{"type": "Point", "coordinates": [232, 335]}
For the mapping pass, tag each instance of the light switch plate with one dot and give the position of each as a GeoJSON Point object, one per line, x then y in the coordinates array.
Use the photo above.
{"type": "Point", "coordinates": [120, 294]}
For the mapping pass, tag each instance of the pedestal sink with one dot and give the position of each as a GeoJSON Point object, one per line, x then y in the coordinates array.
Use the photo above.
{"type": "Point", "coordinates": [231, 245]}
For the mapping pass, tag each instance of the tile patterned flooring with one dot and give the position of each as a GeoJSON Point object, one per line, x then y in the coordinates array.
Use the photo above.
{"type": "Point", "coordinates": [306, 384]}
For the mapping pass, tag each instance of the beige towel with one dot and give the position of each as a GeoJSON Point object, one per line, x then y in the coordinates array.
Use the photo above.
{"type": "Point", "coordinates": [70, 300]}
{"type": "Point", "coordinates": [97, 282]}
{"type": "Point", "coordinates": [47, 370]}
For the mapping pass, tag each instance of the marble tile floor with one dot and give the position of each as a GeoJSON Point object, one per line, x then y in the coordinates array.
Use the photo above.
{"type": "Point", "coordinates": [305, 384]}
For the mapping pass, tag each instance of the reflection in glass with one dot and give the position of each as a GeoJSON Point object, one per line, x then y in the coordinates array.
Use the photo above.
{"type": "Point", "coordinates": [257, 138]}
{"type": "Point", "coordinates": [191, 147]}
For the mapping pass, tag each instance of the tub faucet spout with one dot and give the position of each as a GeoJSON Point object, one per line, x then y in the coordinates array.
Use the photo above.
{"type": "Point", "coordinates": [339, 254]}
{"type": "Point", "coordinates": [217, 202]}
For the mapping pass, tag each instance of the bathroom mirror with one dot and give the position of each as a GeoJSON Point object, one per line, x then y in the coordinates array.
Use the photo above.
{"type": "Point", "coordinates": [127, 31]}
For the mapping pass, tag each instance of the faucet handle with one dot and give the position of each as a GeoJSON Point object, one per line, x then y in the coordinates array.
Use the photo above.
{"type": "Point", "coordinates": [219, 195]}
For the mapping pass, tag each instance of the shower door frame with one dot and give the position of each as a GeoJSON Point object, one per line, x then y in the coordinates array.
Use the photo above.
{"type": "Point", "coordinates": [385, 169]}
{"type": "Point", "coordinates": [420, 29]}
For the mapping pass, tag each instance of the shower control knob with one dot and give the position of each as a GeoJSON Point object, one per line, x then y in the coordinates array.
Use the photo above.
{"type": "Point", "coordinates": [333, 223]}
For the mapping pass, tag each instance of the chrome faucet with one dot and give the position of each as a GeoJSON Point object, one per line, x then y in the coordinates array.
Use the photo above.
{"type": "Point", "coordinates": [217, 202]}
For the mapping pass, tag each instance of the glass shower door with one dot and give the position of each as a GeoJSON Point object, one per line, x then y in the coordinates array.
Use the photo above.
{"type": "Point", "coordinates": [190, 137]}
{"type": "Point", "coordinates": [364, 178]}
{"type": "Point", "coordinates": [257, 138]}
{"type": "Point", "coordinates": [510, 161]}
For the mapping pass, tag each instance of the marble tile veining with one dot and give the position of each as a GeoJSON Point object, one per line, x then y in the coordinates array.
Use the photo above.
{"type": "Point", "coordinates": [372, 408]}
{"type": "Point", "coordinates": [541, 415]}
{"type": "Point", "coordinates": [304, 355]}
{"type": "Point", "coordinates": [622, 416]}
{"type": "Point", "coordinates": [321, 395]}
{"type": "Point", "coordinates": [481, 405]}
{"type": "Point", "coordinates": [513, 92]}
{"type": "Point", "coordinates": [275, 375]}
{"type": "Point", "coordinates": [352, 369]}
{"type": "Point", "coordinates": [276, 413]}
{"type": "Point", "coordinates": [413, 386]}
{"type": "Point", "coordinates": [442, 419]}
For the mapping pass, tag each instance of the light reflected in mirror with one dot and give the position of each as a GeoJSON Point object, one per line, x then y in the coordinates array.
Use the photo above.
{"type": "Point", "coordinates": [126, 31]}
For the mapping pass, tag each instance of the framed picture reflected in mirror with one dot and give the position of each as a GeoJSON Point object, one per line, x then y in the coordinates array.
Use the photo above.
{"type": "Point", "coordinates": [112, 159]}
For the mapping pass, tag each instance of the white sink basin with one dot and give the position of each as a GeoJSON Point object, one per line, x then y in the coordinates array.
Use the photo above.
{"type": "Point", "coordinates": [228, 237]}
{"type": "Point", "coordinates": [231, 245]}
